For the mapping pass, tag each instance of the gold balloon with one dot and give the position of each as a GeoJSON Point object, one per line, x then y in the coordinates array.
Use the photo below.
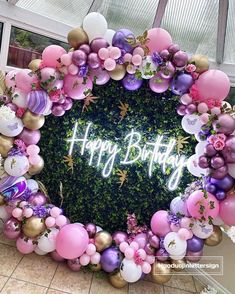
{"type": "Point", "coordinates": [77, 37]}
{"type": "Point", "coordinates": [34, 64]}
{"type": "Point", "coordinates": [201, 62]}
{"type": "Point", "coordinates": [161, 273]}
{"type": "Point", "coordinates": [215, 238]}
{"type": "Point", "coordinates": [118, 73]}
{"type": "Point", "coordinates": [102, 240]}
{"type": "Point", "coordinates": [33, 227]}
{"type": "Point", "coordinates": [117, 281]}
{"type": "Point", "coordinates": [6, 144]}
{"type": "Point", "coordinates": [33, 121]}
{"type": "Point", "coordinates": [2, 200]}
{"type": "Point", "coordinates": [95, 267]}
{"type": "Point", "coordinates": [35, 169]}
{"type": "Point", "coordinates": [179, 265]}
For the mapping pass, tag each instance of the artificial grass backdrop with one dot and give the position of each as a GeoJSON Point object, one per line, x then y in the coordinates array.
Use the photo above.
{"type": "Point", "coordinates": [88, 197]}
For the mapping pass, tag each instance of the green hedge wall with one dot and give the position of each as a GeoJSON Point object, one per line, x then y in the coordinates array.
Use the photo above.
{"type": "Point", "coordinates": [88, 197]}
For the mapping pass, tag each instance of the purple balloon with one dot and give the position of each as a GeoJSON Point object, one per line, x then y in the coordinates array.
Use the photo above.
{"type": "Point", "coordinates": [195, 244]}
{"type": "Point", "coordinates": [181, 109]}
{"type": "Point", "coordinates": [217, 162]}
{"type": "Point", "coordinates": [181, 84]}
{"type": "Point", "coordinates": [191, 108]}
{"type": "Point", "coordinates": [111, 259]}
{"type": "Point", "coordinates": [98, 43]}
{"type": "Point", "coordinates": [180, 58]}
{"type": "Point", "coordinates": [38, 101]}
{"type": "Point", "coordinates": [131, 83]}
{"type": "Point", "coordinates": [30, 137]}
{"type": "Point", "coordinates": [93, 60]}
{"type": "Point", "coordinates": [229, 150]}
{"type": "Point", "coordinates": [141, 239]}
{"type": "Point", "coordinates": [57, 110]}
{"type": "Point", "coordinates": [154, 241]}
{"type": "Point", "coordinates": [12, 228]}
{"type": "Point", "coordinates": [162, 254]}
{"type": "Point", "coordinates": [203, 162]}
{"type": "Point", "coordinates": [157, 84]}
{"type": "Point", "coordinates": [165, 54]}
{"type": "Point", "coordinates": [174, 48]}
{"type": "Point", "coordinates": [119, 237]}
{"type": "Point", "coordinates": [85, 48]}
{"type": "Point", "coordinates": [168, 71]}
{"type": "Point", "coordinates": [74, 264]}
{"type": "Point", "coordinates": [178, 206]}
{"type": "Point", "coordinates": [16, 190]}
{"type": "Point", "coordinates": [67, 105]}
{"type": "Point", "coordinates": [225, 124]}
{"type": "Point", "coordinates": [220, 195]}
{"type": "Point", "coordinates": [79, 57]}
{"type": "Point", "coordinates": [219, 173]}
{"type": "Point", "coordinates": [91, 229]}
{"type": "Point", "coordinates": [210, 188]}
{"type": "Point", "coordinates": [55, 256]}
{"type": "Point", "coordinates": [12, 106]}
{"type": "Point", "coordinates": [210, 150]}
{"type": "Point", "coordinates": [225, 184]}
{"type": "Point", "coordinates": [58, 84]}
{"type": "Point", "coordinates": [100, 76]}
{"type": "Point", "coordinates": [120, 40]}
{"type": "Point", "coordinates": [7, 182]}
{"type": "Point", "coordinates": [149, 249]}
{"type": "Point", "coordinates": [38, 199]}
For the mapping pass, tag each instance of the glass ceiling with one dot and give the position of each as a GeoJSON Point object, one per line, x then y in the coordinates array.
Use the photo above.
{"type": "Point", "coordinates": [192, 24]}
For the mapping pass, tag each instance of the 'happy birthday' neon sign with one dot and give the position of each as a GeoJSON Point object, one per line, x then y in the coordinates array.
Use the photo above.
{"type": "Point", "coordinates": [157, 152]}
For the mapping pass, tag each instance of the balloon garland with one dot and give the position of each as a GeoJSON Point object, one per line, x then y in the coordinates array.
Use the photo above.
{"type": "Point", "coordinates": [51, 85]}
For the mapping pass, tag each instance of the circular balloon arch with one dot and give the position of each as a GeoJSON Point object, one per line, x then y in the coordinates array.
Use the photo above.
{"type": "Point", "coordinates": [50, 87]}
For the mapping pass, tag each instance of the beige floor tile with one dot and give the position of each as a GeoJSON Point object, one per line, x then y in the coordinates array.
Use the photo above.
{"type": "Point", "coordinates": [3, 280]}
{"type": "Point", "coordinates": [20, 287]}
{"type": "Point", "coordinates": [145, 287]}
{"type": "Point", "coordinates": [199, 285]}
{"type": "Point", "coordinates": [53, 291]}
{"type": "Point", "coordinates": [4, 240]}
{"type": "Point", "coordinates": [169, 290]}
{"type": "Point", "coordinates": [102, 286]}
{"type": "Point", "coordinates": [184, 282]}
{"type": "Point", "coordinates": [9, 258]}
{"type": "Point", "coordinates": [71, 282]}
{"type": "Point", "coordinates": [36, 269]}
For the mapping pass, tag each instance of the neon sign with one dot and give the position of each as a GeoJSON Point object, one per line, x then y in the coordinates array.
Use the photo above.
{"type": "Point", "coordinates": [106, 153]}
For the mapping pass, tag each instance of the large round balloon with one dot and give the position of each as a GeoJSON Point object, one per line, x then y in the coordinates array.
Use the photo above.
{"type": "Point", "coordinates": [16, 165]}
{"type": "Point", "coordinates": [174, 245]}
{"type": "Point", "coordinates": [76, 87]}
{"type": "Point", "coordinates": [11, 128]}
{"type": "Point", "coordinates": [39, 102]}
{"type": "Point", "coordinates": [227, 208]}
{"type": "Point", "coordinates": [159, 223]}
{"type": "Point", "coordinates": [130, 271]}
{"type": "Point", "coordinates": [191, 123]}
{"type": "Point", "coordinates": [95, 25]}
{"type": "Point", "coordinates": [158, 40]}
{"type": "Point", "coordinates": [201, 229]}
{"type": "Point", "coordinates": [51, 55]}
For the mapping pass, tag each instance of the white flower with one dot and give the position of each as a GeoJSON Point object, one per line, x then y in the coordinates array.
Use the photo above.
{"type": "Point", "coordinates": [209, 290]}
{"type": "Point", "coordinates": [231, 233]}
{"type": "Point", "coordinates": [6, 113]}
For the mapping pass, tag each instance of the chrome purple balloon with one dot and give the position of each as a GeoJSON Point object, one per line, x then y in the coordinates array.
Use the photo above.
{"type": "Point", "coordinates": [120, 40]}
{"type": "Point", "coordinates": [181, 83]}
{"type": "Point", "coordinates": [119, 237]}
{"type": "Point", "coordinates": [225, 184]}
{"type": "Point", "coordinates": [195, 244]}
{"type": "Point", "coordinates": [91, 229]}
{"type": "Point", "coordinates": [79, 57]}
{"type": "Point", "coordinates": [98, 43]}
{"type": "Point", "coordinates": [131, 83]}
{"type": "Point", "coordinates": [111, 259]}
{"type": "Point", "coordinates": [12, 228]}
{"type": "Point", "coordinates": [38, 199]}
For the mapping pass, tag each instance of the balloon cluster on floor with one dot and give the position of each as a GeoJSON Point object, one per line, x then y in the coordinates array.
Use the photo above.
{"type": "Point", "coordinates": [51, 85]}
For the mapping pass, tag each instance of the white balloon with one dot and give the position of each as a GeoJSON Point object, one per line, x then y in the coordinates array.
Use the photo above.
{"type": "Point", "coordinates": [194, 168]}
{"type": "Point", "coordinates": [178, 257]}
{"type": "Point", "coordinates": [198, 138]}
{"type": "Point", "coordinates": [202, 230]}
{"type": "Point", "coordinates": [231, 169]}
{"type": "Point", "coordinates": [16, 165]}
{"type": "Point", "coordinates": [47, 242]}
{"type": "Point", "coordinates": [108, 36]}
{"type": "Point", "coordinates": [19, 98]}
{"type": "Point", "coordinates": [32, 185]}
{"type": "Point", "coordinates": [130, 271]}
{"type": "Point", "coordinates": [200, 148]}
{"type": "Point", "coordinates": [11, 128]}
{"type": "Point", "coordinates": [3, 214]}
{"type": "Point", "coordinates": [217, 221]}
{"type": "Point", "coordinates": [98, 229]}
{"type": "Point", "coordinates": [39, 251]}
{"type": "Point", "coordinates": [174, 245]}
{"type": "Point", "coordinates": [191, 123]}
{"type": "Point", "coordinates": [147, 68]}
{"type": "Point", "coordinates": [95, 25]}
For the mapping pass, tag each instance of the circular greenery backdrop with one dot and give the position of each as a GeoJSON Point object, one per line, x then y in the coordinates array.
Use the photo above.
{"type": "Point", "coordinates": [87, 196]}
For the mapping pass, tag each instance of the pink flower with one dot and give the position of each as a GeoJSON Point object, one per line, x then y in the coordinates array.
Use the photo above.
{"type": "Point", "coordinates": [190, 68]}
{"type": "Point", "coordinates": [221, 137]}
{"type": "Point", "coordinates": [20, 112]}
{"type": "Point", "coordinates": [138, 260]}
{"type": "Point", "coordinates": [219, 144]}
{"type": "Point", "coordinates": [194, 75]}
{"type": "Point", "coordinates": [20, 144]}
{"type": "Point", "coordinates": [212, 139]}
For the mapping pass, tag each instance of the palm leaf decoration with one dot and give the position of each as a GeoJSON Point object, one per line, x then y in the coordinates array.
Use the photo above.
{"type": "Point", "coordinates": [122, 177]}
{"type": "Point", "coordinates": [124, 108]}
{"type": "Point", "coordinates": [2, 83]}
{"type": "Point", "coordinates": [70, 162]}
{"type": "Point", "coordinates": [87, 102]}
{"type": "Point", "coordinates": [180, 142]}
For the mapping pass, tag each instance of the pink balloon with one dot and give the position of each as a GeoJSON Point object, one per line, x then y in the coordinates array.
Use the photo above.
{"type": "Point", "coordinates": [24, 79]}
{"type": "Point", "coordinates": [213, 84]}
{"type": "Point", "coordinates": [76, 88]}
{"type": "Point", "coordinates": [91, 249]}
{"type": "Point", "coordinates": [50, 222]}
{"type": "Point", "coordinates": [55, 211]}
{"type": "Point", "coordinates": [109, 64]}
{"type": "Point", "coordinates": [146, 267]}
{"type": "Point", "coordinates": [184, 234]}
{"type": "Point", "coordinates": [10, 79]}
{"type": "Point", "coordinates": [100, 76]}
{"type": "Point", "coordinates": [185, 222]}
{"type": "Point", "coordinates": [85, 259]}
{"type": "Point", "coordinates": [72, 241]}
{"type": "Point", "coordinates": [25, 245]}
{"type": "Point", "coordinates": [123, 246]}
{"type": "Point", "coordinates": [141, 239]}
{"type": "Point", "coordinates": [95, 258]}
{"type": "Point", "coordinates": [227, 210]}
{"type": "Point", "coordinates": [159, 223]}
{"type": "Point", "coordinates": [159, 39]}
{"type": "Point", "coordinates": [134, 245]}
{"type": "Point", "coordinates": [51, 54]}
{"type": "Point", "coordinates": [61, 221]}
{"type": "Point", "coordinates": [158, 85]}
{"type": "Point", "coordinates": [129, 253]}
{"type": "Point", "coordinates": [49, 73]}
{"type": "Point", "coordinates": [30, 137]}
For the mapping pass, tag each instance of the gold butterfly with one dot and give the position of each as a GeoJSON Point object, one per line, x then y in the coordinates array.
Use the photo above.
{"type": "Point", "coordinates": [70, 162]}
{"type": "Point", "coordinates": [180, 142]}
{"type": "Point", "coordinates": [124, 108]}
{"type": "Point", "coordinates": [88, 100]}
{"type": "Point", "coordinates": [122, 177]}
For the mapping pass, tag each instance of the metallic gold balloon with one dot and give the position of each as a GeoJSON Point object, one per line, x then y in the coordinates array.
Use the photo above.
{"type": "Point", "coordinates": [161, 273]}
{"type": "Point", "coordinates": [118, 73]}
{"type": "Point", "coordinates": [179, 265]}
{"type": "Point", "coordinates": [215, 238]}
{"type": "Point", "coordinates": [117, 281]}
{"type": "Point", "coordinates": [33, 227]}
{"type": "Point", "coordinates": [77, 37]}
{"type": "Point", "coordinates": [2, 200]}
{"type": "Point", "coordinates": [6, 144]}
{"type": "Point", "coordinates": [33, 121]}
{"type": "Point", "coordinates": [35, 169]}
{"type": "Point", "coordinates": [102, 240]}
{"type": "Point", "coordinates": [34, 64]}
{"type": "Point", "coordinates": [95, 267]}
{"type": "Point", "coordinates": [201, 62]}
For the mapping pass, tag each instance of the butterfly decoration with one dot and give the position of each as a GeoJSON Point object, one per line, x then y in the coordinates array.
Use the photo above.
{"type": "Point", "coordinates": [122, 177]}
{"type": "Point", "coordinates": [124, 108]}
{"type": "Point", "coordinates": [87, 102]}
{"type": "Point", "coordinates": [70, 162]}
{"type": "Point", "coordinates": [180, 142]}
{"type": "Point", "coordinates": [140, 41]}
{"type": "Point", "coordinates": [13, 127]}
{"type": "Point", "coordinates": [191, 122]}
{"type": "Point", "coordinates": [171, 244]}
{"type": "Point", "coordinates": [13, 163]}
{"type": "Point", "coordinates": [204, 229]}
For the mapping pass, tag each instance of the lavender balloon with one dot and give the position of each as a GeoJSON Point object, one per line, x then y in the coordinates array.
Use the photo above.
{"type": "Point", "coordinates": [93, 60]}
{"type": "Point", "coordinates": [178, 206]}
{"type": "Point", "coordinates": [11, 228]}
{"type": "Point", "coordinates": [100, 76]}
{"type": "Point", "coordinates": [57, 110]}
{"type": "Point", "coordinates": [210, 188]}
{"type": "Point", "coordinates": [111, 259]}
{"type": "Point", "coordinates": [85, 48]}
{"type": "Point", "coordinates": [98, 43]}
{"type": "Point", "coordinates": [219, 173]}
{"type": "Point", "coordinates": [131, 83]}
{"type": "Point", "coordinates": [74, 264]}
{"type": "Point", "coordinates": [195, 244]}
{"type": "Point", "coordinates": [120, 40]}
{"type": "Point", "coordinates": [225, 184]}
{"type": "Point", "coordinates": [79, 57]}
{"type": "Point", "coordinates": [180, 58]}
{"type": "Point", "coordinates": [67, 105]}
{"type": "Point", "coordinates": [168, 71]}
{"type": "Point", "coordinates": [181, 109]}
{"type": "Point", "coordinates": [225, 124]}
{"type": "Point", "coordinates": [157, 84]}
{"type": "Point", "coordinates": [119, 237]}
{"type": "Point", "coordinates": [181, 84]}
{"type": "Point", "coordinates": [38, 199]}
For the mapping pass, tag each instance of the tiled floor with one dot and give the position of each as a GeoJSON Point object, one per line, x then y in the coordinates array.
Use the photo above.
{"type": "Point", "coordinates": [34, 274]}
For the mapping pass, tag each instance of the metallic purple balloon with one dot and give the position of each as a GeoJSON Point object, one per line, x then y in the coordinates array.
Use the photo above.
{"type": "Point", "coordinates": [210, 188]}
{"type": "Point", "coordinates": [191, 108]}
{"type": "Point", "coordinates": [57, 110]}
{"type": "Point", "coordinates": [162, 254]}
{"type": "Point", "coordinates": [154, 241]}
{"type": "Point", "coordinates": [30, 137]}
{"type": "Point", "coordinates": [119, 237]}
{"type": "Point", "coordinates": [225, 124]}
{"type": "Point", "coordinates": [38, 199]}
{"type": "Point", "coordinates": [58, 84]}
{"type": "Point", "coordinates": [165, 54]}
{"type": "Point", "coordinates": [181, 84]}
{"type": "Point", "coordinates": [217, 162]}
{"type": "Point", "coordinates": [181, 109]}
{"type": "Point", "coordinates": [74, 264]}
{"type": "Point", "coordinates": [195, 244]}
{"type": "Point", "coordinates": [174, 48]}
{"type": "Point", "coordinates": [149, 249]}
{"type": "Point", "coordinates": [68, 104]}
{"type": "Point", "coordinates": [229, 150]}
{"type": "Point", "coordinates": [98, 43]}
{"type": "Point", "coordinates": [225, 184]}
{"type": "Point", "coordinates": [220, 195]}
{"type": "Point", "coordinates": [180, 58]}
{"type": "Point", "coordinates": [168, 71]}
{"type": "Point", "coordinates": [158, 85]}
{"type": "Point", "coordinates": [219, 173]}
{"type": "Point", "coordinates": [141, 239]}
{"type": "Point", "coordinates": [91, 229]}
{"type": "Point", "coordinates": [210, 150]}
{"type": "Point", "coordinates": [93, 60]}
{"type": "Point", "coordinates": [55, 256]}
{"type": "Point", "coordinates": [100, 76]}
{"type": "Point", "coordinates": [12, 228]}
{"type": "Point", "coordinates": [203, 162]}
{"type": "Point", "coordinates": [111, 259]}
{"type": "Point", "coordinates": [79, 57]}
{"type": "Point", "coordinates": [120, 40]}
{"type": "Point", "coordinates": [193, 256]}
{"type": "Point", "coordinates": [131, 83]}
{"type": "Point", "coordinates": [85, 48]}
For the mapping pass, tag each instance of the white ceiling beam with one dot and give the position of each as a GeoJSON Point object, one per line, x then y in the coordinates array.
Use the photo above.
{"type": "Point", "coordinates": [221, 30]}
{"type": "Point", "coordinates": [159, 13]}
{"type": "Point", "coordinates": [95, 5]}
{"type": "Point", "coordinates": [12, 2]}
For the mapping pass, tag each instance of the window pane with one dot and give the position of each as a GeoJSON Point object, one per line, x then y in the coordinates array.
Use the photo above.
{"type": "Point", "coordinates": [1, 29]}
{"type": "Point", "coordinates": [25, 46]}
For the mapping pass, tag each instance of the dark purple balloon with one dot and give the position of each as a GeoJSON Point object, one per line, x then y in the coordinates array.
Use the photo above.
{"type": "Point", "coordinates": [154, 241]}
{"type": "Point", "coordinates": [120, 40]}
{"type": "Point", "coordinates": [191, 108]}
{"type": "Point", "coordinates": [12, 228]}
{"type": "Point", "coordinates": [220, 195]}
{"type": "Point", "coordinates": [85, 48]}
{"type": "Point", "coordinates": [202, 136]}
{"type": "Point", "coordinates": [165, 54]}
{"type": "Point", "coordinates": [229, 150]}
{"type": "Point", "coordinates": [68, 104]}
{"type": "Point", "coordinates": [205, 129]}
{"type": "Point", "coordinates": [181, 109]}
{"type": "Point", "coordinates": [149, 249]}
{"type": "Point", "coordinates": [210, 188]}
{"type": "Point", "coordinates": [225, 184]}
{"type": "Point", "coordinates": [91, 229]}
{"type": "Point", "coordinates": [131, 83]}
{"type": "Point", "coordinates": [217, 162]}
{"type": "Point", "coordinates": [38, 199]}
{"type": "Point", "coordinates": [93, 60]}
{"type": "Point", "coordinates": [203, 162]}
{"type": "Point", "coordinates": [150, 234]}
{"type": "Point", "coordinates": [181, 84]}
{"type": "Point", "coordinates": [195, 244]}
{"type": "Point", "coordinates": [174, 48]}
{"type": "Point", "coordinates": [210, 150]}
{"type": "Point", "coordinates": [111, 259]}
{"type": "Point", "coordinates": [119, 237]}
{"type": "Point", "coordinates": [219, 173]}
{"type": "Point", "coordinates": [55, 256]}
{"type": "Point", "coordinates": [98, 43]}
{"type": "Point", "coordinates": [74, 264]}
{"type": "Point", "coordinates": [16, 190]}
{"type": "Point", "coordinates": [180, 58]}
{"type": "Point", "coordinates": [79, 57]}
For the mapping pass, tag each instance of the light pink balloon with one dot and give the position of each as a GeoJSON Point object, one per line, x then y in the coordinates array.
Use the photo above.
{"type": "Point", "coordinates": [95, 258]}
{"type": "Point", "coordinates": [141, 239]}
{"type": "Point", "coordinates": [159, 39]}
{"type": "Point", "coordinates": [24, 246]}
{"type": "Point", "coordinates": [72, 241]}
{"type": "Point", "coordinates": [24, 79]}
{"type": "Point", "coordinates": [76, 88]}
{"type": "Point", "coordinates": [91, 249]}
{"type": "Point", "coordinates": [213, 84]}
{"type": "Point", "coordinates": [159, 223]}
{"type": "Point", "coordinates": [129, 253]}
{"type": "Point", "coordinates": [123, 246]}
{"type": "Point", "coordinates": [146, 267]}
{"type": "Point", "coordinates": [100, 75]}
{"type": "Point", "coordinates": [47, 73]}
{"type": "Point", "coordinates": [51, 54]}
{"type": "Point", "coordinates": [227, 210]}
{"type": "Point", "coordinates": [85, 259]}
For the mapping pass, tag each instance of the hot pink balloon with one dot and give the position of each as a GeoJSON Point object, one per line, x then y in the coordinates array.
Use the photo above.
{"type": "Point", "coordinates": [51, 54]}
{"type": "Point", "coordinates": [227, 209]}
{"type": "Point", "coordinates": [76, 88]}
{"type": "Point", "coordinates": [159, 223]}
{"type": "Point", "coordinates": [159, 39]}
{"type": "Point", "coordinates": [213, 84]}
{"type": "Point", "coordinates": [24, 79]}
{"type": "Point", "coordinates": [72, 241]}
{"type": "Point", "coordinates": [25, 245]}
